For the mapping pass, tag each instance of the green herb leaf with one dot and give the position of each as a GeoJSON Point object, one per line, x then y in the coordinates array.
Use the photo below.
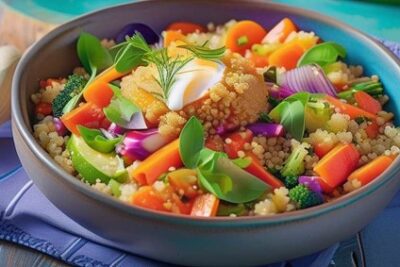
{"type": "Point", "coordinates": [322, 54]}
{"type": "Point", "coordinates": [205, 52]}
{"type": "Point", "coordinates": [292, 118]}
{"type": "Point", "coordinates": [129, 58]}
{"type": "Point", "coordinates": [120, 110]}
{"type": "Point", "coordinates": [230, 183]}
{"type": "Point", "coordinates": [276, 112]}
{"type": "Point", "coordinates": [93, 56]}
{"type": "Point", "coordinates": [191, 142]}
{"type": "Point", "coordinates": [96, 140]}
{"type": "Point", "coordinates": [242, 162]}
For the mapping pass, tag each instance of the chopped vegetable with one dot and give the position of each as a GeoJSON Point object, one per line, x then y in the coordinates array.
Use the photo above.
{"type": "Point", "coordinates": [60, 127]}
{"type": "Point", "coordinates": [205, 206]}
{"type": "Point", "coordinates": [323, 54]}
{"type": "Point", "coordinates": [130, 29]}
{"type": "Point", "coordinates": [316, 115]}
{"type": "Point", "coordinates": [291, 181]}
{"type": "Point", "coordinates": [157, 163]}
{"type": "Point", "coordinates": [185, 27]}
{"type": "Point", "coordinates": [266, 129]}
{"type": "Point", "coordinates": [96, 140]}
{"type": "Point", "coordinates": [280, 31]}
{"type": "Point", "coordinates": [256, 169]}
{"type": "Point", "coordinates": [311, 182]}
{"type": "Point", "coordinates": [43, 108]}
{"type": "Point", "coordinates": [73, 87]}
{"type": "Point", "coordinates": [236, 142]}
{"type": "Point", "coordinates": [242, 35]}
{"type": "Point", "coordinates": [344, 155]}
{"type": "Point", "coordinates": [286, 56]}
{"type": "Point", "coordinates": [372, 129]}
{"type": "Point", "coordinates": [172, 36]}
{"type": "Point", "coordinates": [372, 88]}
{"type": "Point", "coordinates": [149, 198]}
{"type": "Point", "coordinates": [294, 165]}
{"type": "Point", "coordinates": [348, 109]}
{"type": "Point", "coordinates": [367, 102]}
{"type": "Point", "coordinates": [304, 197]}
{"type": "Point", "coordinates": [115, 187]}
{"type": "Point", "coordinates": [258, 61]}
{"type": "Point", "coordinates": [322, 148]}
{"type": "Point", "coordinates": [184, 181]}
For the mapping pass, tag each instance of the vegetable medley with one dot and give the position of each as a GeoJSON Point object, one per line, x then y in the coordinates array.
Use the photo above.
{"type": "Point", "coordinates": [229, 120]}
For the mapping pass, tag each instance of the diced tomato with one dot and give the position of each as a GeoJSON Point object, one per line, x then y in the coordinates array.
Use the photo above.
{"type": "Point", "coordinates": [321, 149]}
{"type": "Point", "coordinates": [184, 181]}
{"type": "Point", "coordinates": [215, 143]}
{"type": "Point", "coordinates": [43, 108]}
{"type": "Point", "coordinates": [367, 102]}
{"type": "Point", "coordinates": [147, 197]}
{"type": "Point", "coordinates": [205, 205]}
{"type": "Point", "coordinates": [236, 142]}
{"type": "Point", "coordinates": [372, 129]}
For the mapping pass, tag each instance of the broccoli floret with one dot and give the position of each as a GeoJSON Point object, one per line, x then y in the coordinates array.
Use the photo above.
{"type": "Point", "coordinates": [294, 165]}
{"type": "Point", "coordinates": [73, 87]}
{"type": "Point", "coordinates": [291, 181]}
{"type": "Point", "coordinates": [304, 197]}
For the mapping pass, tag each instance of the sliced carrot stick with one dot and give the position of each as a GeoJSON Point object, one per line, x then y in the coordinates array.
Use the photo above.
{"type": "Point", "coordinates": [205, 205]}
{"type": "Point", "coordinates": [147, 197]}
{"type": "Point", "coordinates": [321, 149]}
{"type": "Point", "coordinates": [260, 172]}
{"type": "Point", "coordinates": [157, 163]}
{"type": "Point", "coordinates": [98, 91]}
{"type": "Point", "coordinates": [280, 31]}
{"type": "Point", "coordinates": [372, 170]}
{"type": "Point", "coordinates": [367, 102]}
{"type": "Point", "coordinates": [172, 36]}
{"type": "Point", "coordinates": [335, 166]}
{"type": "Point", "coordinates": [352, 111]}
{"type": "Point", "coordinates": [287, 56]}
{"type": "Point", "coordinates": [88, 115]}
{"type": "Point", "coordinates": [186, 27]}
{"type": "Point", "coordinates": [241, 36]}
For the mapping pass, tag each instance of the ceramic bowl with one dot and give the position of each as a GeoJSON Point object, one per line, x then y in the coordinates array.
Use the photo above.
{"type": "Point", "coordinates": [188, 240]}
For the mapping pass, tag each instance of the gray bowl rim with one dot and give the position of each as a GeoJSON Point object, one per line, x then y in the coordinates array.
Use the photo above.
{"type": "Point", "coordinates": [254, 221]}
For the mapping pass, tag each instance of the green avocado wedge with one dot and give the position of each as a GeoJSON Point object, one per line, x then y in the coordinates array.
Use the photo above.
{"type": "Point", "coordinates": [93, 165]}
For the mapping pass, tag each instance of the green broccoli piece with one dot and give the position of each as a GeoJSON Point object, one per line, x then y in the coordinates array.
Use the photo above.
{"type": "Point", "coordinates": [294, 165]}
{"type": "Point", "coordinates": [291, 181]}
{"type": "Point", "coordinates": [304, 197]}
{"type": "Point", "coordinates": [73, 87]}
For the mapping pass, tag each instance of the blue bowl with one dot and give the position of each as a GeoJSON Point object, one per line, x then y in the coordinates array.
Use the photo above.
{"type": "Point", "coordinates": [181, 239]}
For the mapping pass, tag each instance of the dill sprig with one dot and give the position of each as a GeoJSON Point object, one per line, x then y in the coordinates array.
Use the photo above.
{"type": "Point", "coordinates": [135, 52]}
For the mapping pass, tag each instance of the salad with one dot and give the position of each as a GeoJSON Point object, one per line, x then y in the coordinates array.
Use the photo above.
{"type": "Point", "coordinates": [217, 120]}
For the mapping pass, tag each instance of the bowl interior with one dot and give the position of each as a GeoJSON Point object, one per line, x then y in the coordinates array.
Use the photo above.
{"type": "Point", "coordinates": [55, 54]}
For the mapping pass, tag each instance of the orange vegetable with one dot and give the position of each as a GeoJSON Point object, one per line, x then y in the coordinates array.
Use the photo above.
{"type": "Point", "coordinates": [241, 36]}
{"type": "Point", "coordinates": [186, 27]}
{"type": "Point", "coordinates": [184, 181]}
{"type": "Point", "coordinates": [88, 115]}
{"type": "Point", "coordinates": [352, 111]}
{"type": "Point", "coordinates": [172, 36]}
{"type": "Point", "coordinates": [280, 31]}
{"type": "Point", "coordinates": [287, 56]}
{"type": "Point", "coordinates": [372, 129]}
{"type": "Point", "coordinates": [147, 197]}
{"type": "Point", "coordinates": [367, 102]}
{"type": "Point", "coordinates": [236, 143]}
{"type": "Point", "coordinates": [335, 167]}
{"type": "Point", "coordinates": [260, 172]}
{"type": "Point", "coordinates": [205, 205]}
{"type": "Point", "coordinates": [321, 149]}
{"type": "Point", "coordinates": [372, 170]}
{"type": "Point", "coordinates": [98, 91]}
{"type": "Point", "coordinates": [259, 61]}
{"type": "Point", "coordinates": [157, 163]}
{"type": "Point", "coordinates": [43, 108]}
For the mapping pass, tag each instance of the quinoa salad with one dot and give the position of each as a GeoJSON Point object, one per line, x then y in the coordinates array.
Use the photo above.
{"type": "Point", "coordinates": [217, 120]}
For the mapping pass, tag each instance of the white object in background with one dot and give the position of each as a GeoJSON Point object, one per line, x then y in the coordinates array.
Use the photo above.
{"type": "Point", "coordinates": [9, 56]}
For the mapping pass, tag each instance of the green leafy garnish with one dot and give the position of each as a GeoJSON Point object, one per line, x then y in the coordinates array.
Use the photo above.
{"type": "Point", "coordinates": [191, 142]}
{"type": "Point", "coordinates": [205, 52]}
{"type": "Point", "coordinates": [96, 140]}
{"type": "Point", "coordinates": [120, 110]}
{"type": "Point", "coordinates": [242, 162]}
{"type": "Point", "coordinates": [217, 174]}
{"type": "Point", "coordinates": [322, 54]}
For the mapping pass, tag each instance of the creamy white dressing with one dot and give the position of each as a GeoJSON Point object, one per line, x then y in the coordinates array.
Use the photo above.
{"type": "Point", "coordinates": [193, 82]}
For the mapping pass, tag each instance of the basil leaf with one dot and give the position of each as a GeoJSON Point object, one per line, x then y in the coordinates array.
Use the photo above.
{"type": "Point", "coordinates": [208, 157]}
{"type": "Point", "coordinates": [96, 140]}
{"type": "Point", "coordinates": [242, 162]}
{"type": "Point", "coordinates": [276, 112]}
{"type": "Point", "coordinates": [129, 58]}
{"type": "Point", "coordinates": [292, 118]}
{"type": "Point", "coordinates": [322, 54]}
{"type": "Point", "coordinates": [93, 56]}
{"type": "Point", "coordinates": [191, 142]}
{"type": "Point", "coordinates": [230, 183]}
{"type": "Point", "coordinates": [120, 110]}
{"type": "Point", "coordinates": [303, 97]}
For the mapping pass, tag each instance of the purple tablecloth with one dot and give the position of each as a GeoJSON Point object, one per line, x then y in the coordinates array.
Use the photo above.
{"type": "Point", "coordinates": [29, 219]}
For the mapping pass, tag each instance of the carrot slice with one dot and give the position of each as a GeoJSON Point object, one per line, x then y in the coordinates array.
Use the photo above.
{"type": "Point", "coordinates": [280, 31]}
{"type": "Point", "coordinates": [205, 205]}
{"type": "Point", "coordinates": [260, 172]}
{"type": "Point", "coordinates": [367, 102]}
{"type": "Point", "coordinates": [98, 91]}
{"type": "Point", "coordinates": [147, 197]}
{"type": "Point", "coordinates": [172, 36]}
{"type": "Point", "coordinates": [352, 111]}
{"type": "Point", "coordinates": [241, 36]}
{"type": "Point", "coordinates": [157, 163]}
{"type": "Point", "coordinates": [287, 56]}
{"type": "Point", "coordinates": [89, 115]}
{"type": "Point", "coordinates": [321, 149]}
{"type": "Point", "coordinates": [372, 170]}
{"type": "Point", "coordinates": [259, 61]}
{"type": "Point", "coordinates": [186, 27]}
{"type": "Point", "coordinates": [335, 166]}
{"type": "Point", "coordinates": [372, 129]}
